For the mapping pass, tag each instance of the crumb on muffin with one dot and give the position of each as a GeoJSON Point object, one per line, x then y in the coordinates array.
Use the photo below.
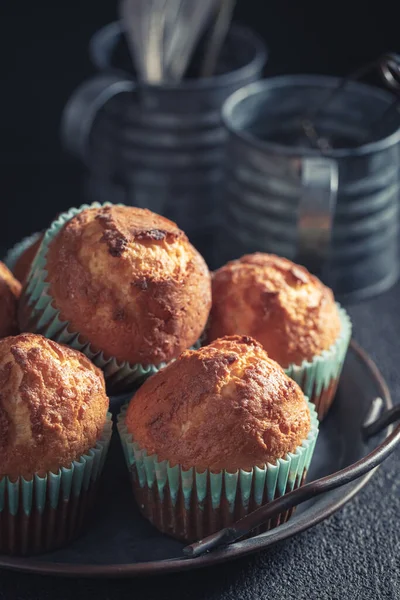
{"type": "Point", "coordinates": [53, 405]}
{"type": "Point", "coordinates": [288, 310]}
{"type": "Point", "coordinates": [224, 406]}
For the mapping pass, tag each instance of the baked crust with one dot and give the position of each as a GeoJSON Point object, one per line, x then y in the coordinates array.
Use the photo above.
{"type": "Point", "coordinates": [10, 290]}
{"type": "Point", "coordinates": [288, 310]}
{"type": "Point", "coordinates": [53, 405]}
{"type": "Point", "coordinates": [130, 283]}
{"type": "Point", "coordinates": [225, 406]}
{"type": "Point", "coordinates": [24, 262]}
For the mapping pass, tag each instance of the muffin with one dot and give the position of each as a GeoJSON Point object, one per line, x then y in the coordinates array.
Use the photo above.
{"type": "Point", "coordinates": [291, 313]}
{"type": "Point", "coordinates": [19, 259]}
{"type": "Point", "coordinates": [54, 436]}
{"type": "Point", "coordinates": [10, 290]}
{"type": "Point", "coordinates": [120, 283]}
{"type": "Point", "coordinates": [25, 260]}
{"type": "Point", "coordinates": [214, 435]}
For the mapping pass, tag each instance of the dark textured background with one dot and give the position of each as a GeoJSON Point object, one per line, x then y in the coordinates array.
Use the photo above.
{"type": "Point", "coordinates": [356, 554]}
{"type": "Point", "coordinates": [43, 57]}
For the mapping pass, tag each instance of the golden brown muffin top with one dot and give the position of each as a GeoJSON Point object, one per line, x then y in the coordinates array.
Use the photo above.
{"type": "Point", "coordinates": [288, 310]}
{"type": "Point", "coordinates": [225, 406]}
{"type": "Point", "coordinates": [10, 290]}
{"type": "Point", "coordinates": [24, 262]}
{"type": "Point", "coordinates": [130, 282]}
{"type": "Point", "coordinates": [53, 405]}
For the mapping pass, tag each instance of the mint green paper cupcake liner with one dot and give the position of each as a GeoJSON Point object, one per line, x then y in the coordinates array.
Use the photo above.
{"type": "Point", "coordinates": [12, 256]}
{"type": "Point", "coordinates": [49, 511]}
{"type": "Point", "coordinates": [319, 377]}
{"type": "Point", "coordinates": [190, 505]}
{"type": "Point", "coordinates": [38, 315]}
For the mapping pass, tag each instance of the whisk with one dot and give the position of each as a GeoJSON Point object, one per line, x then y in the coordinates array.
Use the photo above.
{"type": "Point", "coordinates": [217, 37]}
{"type": "Point", "coordinates": [163, 34]}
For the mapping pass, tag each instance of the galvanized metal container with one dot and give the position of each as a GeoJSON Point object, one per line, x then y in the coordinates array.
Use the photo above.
{"type": "Point", "coordinates": [336, 211]}
{"type": "Point", "coordinates": [159, 147]}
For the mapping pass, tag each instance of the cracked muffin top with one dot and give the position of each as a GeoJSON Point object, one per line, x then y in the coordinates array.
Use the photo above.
{"type": "Point", "coordinates": [288, 310]}
{"type": "Point", "coordinates": [53, 405]}
{"type": "Point", "coordinates": [224, 406]}
{"type": "Point", "coordinates": [130, 282]}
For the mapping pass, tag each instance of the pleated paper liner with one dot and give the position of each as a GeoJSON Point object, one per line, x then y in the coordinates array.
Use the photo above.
{"type": "Point", "coordinates": [190, 505]}
{"type": "Point", "coordinates": [38, 314]}
{"type": "Point", "coordinates": [49, 511]}
{"type": "Point", "coordinates": [319, 377]}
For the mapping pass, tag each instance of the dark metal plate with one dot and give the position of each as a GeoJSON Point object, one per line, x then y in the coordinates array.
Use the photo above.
{"type": "Point", "coordinates": [120, 543]}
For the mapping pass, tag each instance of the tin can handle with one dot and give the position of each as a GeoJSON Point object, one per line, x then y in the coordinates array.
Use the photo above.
{"type": "Point", "coordinates": [82, 108]}
{"type": "Point", "coordinates": [319, 186]}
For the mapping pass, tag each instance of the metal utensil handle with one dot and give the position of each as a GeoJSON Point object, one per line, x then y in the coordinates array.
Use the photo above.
{"type": "Point", "coordinates": [82, 108]}
{"type": "Point", "coordinates": [308, 491]}
{"type": "Point", "coordinates": [319, 180]}
{"type": "Point", "coordinates": [388, 66]}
